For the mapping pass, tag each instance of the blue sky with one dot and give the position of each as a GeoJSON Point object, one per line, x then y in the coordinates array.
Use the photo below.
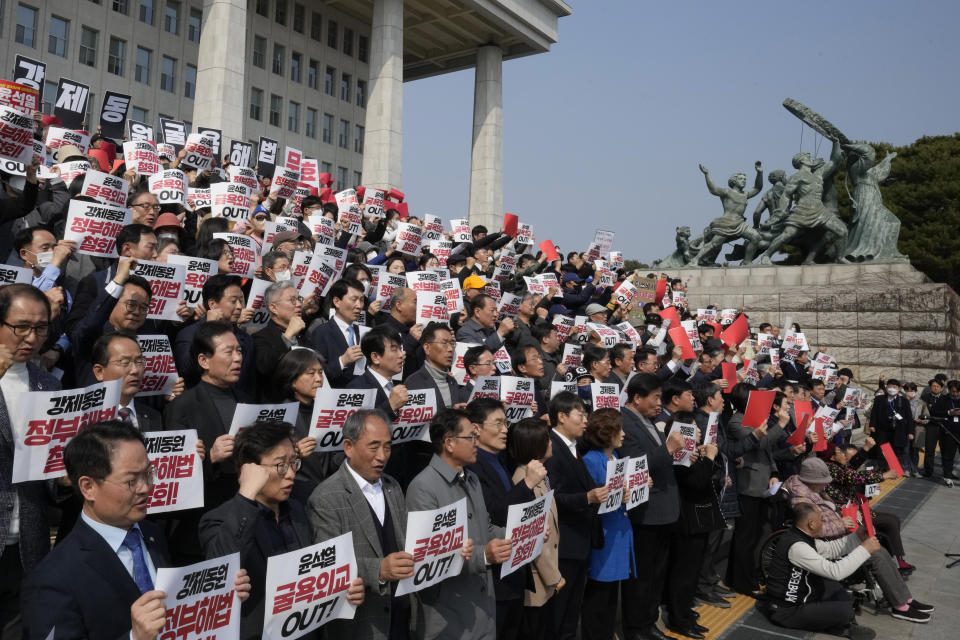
{"type": "Point", "coordinates": [606, 130]}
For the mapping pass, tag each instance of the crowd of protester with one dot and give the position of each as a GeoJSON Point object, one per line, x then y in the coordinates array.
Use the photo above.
{"type": "Point", "coordinates": [267, 492]}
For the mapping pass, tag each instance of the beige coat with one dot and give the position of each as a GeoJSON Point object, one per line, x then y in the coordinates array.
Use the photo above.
{"type": "Point", "coordinates": [546, 572]}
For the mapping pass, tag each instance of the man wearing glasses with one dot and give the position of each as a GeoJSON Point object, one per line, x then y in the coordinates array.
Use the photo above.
{"type": "Point", "coordinates": [99, 582]}
{"type": "Point", "coordinates": [462, 606]}
{"type": "Point", "coordinates": [284, 332]}
{"type": "Point", "coordinates": [145, 208]}
{"type": "Point", "coordinates": [24, 529]}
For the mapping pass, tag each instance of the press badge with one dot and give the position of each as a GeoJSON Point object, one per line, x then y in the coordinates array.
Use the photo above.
{"type": "Point", "coordinates": [897, 416]}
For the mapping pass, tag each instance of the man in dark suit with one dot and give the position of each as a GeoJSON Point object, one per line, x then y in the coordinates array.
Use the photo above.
{"type": "Point", "coordinates": [651, 521]}
{"type": "Point", "coordinates": [621, 364]}
{"type": "Point", "coordinates": [99, 582]}
{"type": "Point", "coordinates": [282, 333]}
{"type": "Point", "coordinates": [384, 354]}
{"type": "Point", "coordinates": [796, 371]}
{"type": "Point", "coordinates": [576, 497]}
{"type": "Point", "coordinates": [403, 317]}
{"type": "Point", "coordinates": [24, 528]}
{"type": "Point", "coordinates": [338, 340]}
{"type": "Point", "coordinates": [362, 499]}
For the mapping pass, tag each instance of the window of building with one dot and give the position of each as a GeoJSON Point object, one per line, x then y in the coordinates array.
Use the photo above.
{"type": "Point", "coordinates": [296, 61]}
{"type": "Point", "coordinates": [357, 178]}
{"type": "Point", "coordinates": [358, 138]}
{"type": "Point", "coordinates": [325, 167]}
{"type": "Point", "coordinates": [329, 77]}
{"type": "Point", "coordinates": [332, 29]}
{"type": "Point", "coordinates": [316, 28]}
{"type": "Point", "coordinates": [263, 8]}
{"type": "Point", "coordinates": [171, 17]}
{"type": "Point", "coordinates": [260, 52]}
{"type": "Point", "coordinates": [194, 22]}
{"type": "Point", "coordinates": [361, 93]}
{"type": "Point", "coordinates": [142, 73]}
{"type": "Point", "coordinates": [49, 97]}
{"type": "Point", "coordinates": [343, 141]}
{"type": "Point", "coordinates": [88, 46]}
{"type": "Point", "coordinates": [363, 49]}
{"type": "Point", "coordinates": [293, 117]}
{"type": "Point", "coordinates": [276, 105]}
{"type": "Point", "coordinates": [347, 41]}
{"type": "Point", "coordinates": [341, 177]}
{"type": "Point", "coordinates": [117, 56]}
{"type": "Point", "coordinates": [310, 124]}
{"type": "Point", "coordinates": [168, 73]}
{"type": "Point", "coordinates": [256, 103]}
{"type": "Point", "coordinates": [140, 115]}
{"type": "Point", "coordinates": [327, 132]}
{"type": "Point", "coordinates": [26, 25]}
{"type": "Point", "coordinates": [279, 55]}
{"type": "Point", "coordinates": [121, 6]}
{"type": "Point", "coordinates": [146, 11]}
{"type": "Point", "coordinates": [345, 87]}
{"type": "Point", "coordinates": [299, 17]}
{"type": "Point", "coordinates": [59, 33]}
{"type": "Point", "coordinates": [313, 74]}
{"type": "Point", "coordinates": [190, 81]}
{"type": "Point", "coordinates": [280, 15]}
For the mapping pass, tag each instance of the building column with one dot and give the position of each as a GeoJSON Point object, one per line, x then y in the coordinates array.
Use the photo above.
{"type": "Point", "coordinates": [220, 99]}
{"type": "Point", "coordinates": [486, 160]}
{"type": "Point", "coordinates": [383, 138]}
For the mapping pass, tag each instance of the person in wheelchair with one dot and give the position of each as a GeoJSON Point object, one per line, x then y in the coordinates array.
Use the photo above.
{"type": "Point", "coordinates": [844, 463]}
{"type": "Point", "coordinates": [807, 487]}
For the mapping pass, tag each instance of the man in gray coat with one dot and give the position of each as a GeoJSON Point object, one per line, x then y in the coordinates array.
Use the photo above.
{"type": "Point", "coordinates": [482, 327]}
{"type": "Point", "coordinates": [462, 606]}
{"type": "Point", "coordinates": [361, 499]}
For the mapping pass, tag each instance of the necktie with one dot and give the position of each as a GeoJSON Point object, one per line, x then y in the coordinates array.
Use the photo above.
{"type": "Point", "coordinates": [141, 574]}
{"type": "Point", "coordinates": [389, 386]}
{"type": "Point", "coordinates": [351, 341]}
{"type": "Point", "coordinates": [124, 414]}
{"type": "Point", "coordinates": [462, 479]}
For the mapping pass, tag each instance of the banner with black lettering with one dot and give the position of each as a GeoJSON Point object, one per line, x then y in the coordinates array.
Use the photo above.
{"type": "Point", "coordinates": [413, 418]}
{"type": "Point", "coordinates": [325, 267]}
{"type": "Point", "coordinates": [45, 421]}
{"type": "Point", "coordinates": [284, 182]}
{"type": "Point", "coordinates": [245, 258]}
{"type": "Point", "coordinates": [198, 199]}
{"type": "Point", "coordinates": [307, 588]}
{"type": "Point", "coordinates": [196, 272]}
{"type": "Point", "coordinates": [409, 238]}
{"type": "Point", "coordinates": [323, 229]}
{"type": "Point", "coordinates": [201, 601]}
{"type": "Point", "coordinates": [15, 275]}
{"type": "Point", "coordinates": [300, 267]}
{"type": "Point", "coordinates": [20, 97]}
{"type": "Point", "coordinates": [681, 457]}
{"type": "Point", "coordinates": [461, 230]}
{"type": "Point", "coordinates": [267, 156]}
{"type": "Point", "coordinates": [174, 132]}
{"type": "Point", "coordinates": [177, 470]}
{"type": "Point", "coordinates": [69, 171]}
{"type": "Point", "coordinates": [30, 72]}
{"type": "Point", "coordinates": [373, 202]}
{"type": "Point", "coordinates": [71, 104]}
{"type": "Point", "coordinates": [113, 114]}
{"type": "Point", "coordinates": [615, 482]}
{"type": "Point", "coordinates": [518, 396]}
{"type": "Point", "coordinates": [94, 227]}
{"type": "Point", "coordinates": [526, 529]}
{"type": "Point", "coordinates": [60, 136]}
{"type": "Point", "coordinates": [140, 131]}
{"type": "Point", "coordinates": [310, 174]}
{"type": "Point", "coordinates": [638, 481]}
{"type": "Point", "coordinates": [331, 408]}
{"type": "Point", "coordinates": [485, 387]}
{"type": "Point", "coordinates": [605, 395]}
{"type": "Point", "coordinates": [141, 156]}
{"type": "Point", "coordinates": [351, 220]}
{"type": "Point", "coordinates": [215, 136]}
{"type": "Point", "coordinates": [434, 539]}
{"type": "Point", "coordinates": [170, 186]}
{"type": "Point", "coordinates": [16, 135]}
{"type": "Point", "coordinates": [431, 307]}
{"type": "Point", "coordinates": [245, 176]}
{"type": "Point", "coordinates": [105, 188]}
{"type": "Point", "coordinates": [159, 370]}
{"type": "Point", "coordinates": [255, 301]}
{"type": "Point", "coordinates": [199, 150]}
{"type": "Point", "coordinates": [230, 200]}
{"type": "Point", "coordinates": [166, 280]}
{"type": "Point", "coordinates": [246, 415]}
{"type": "Point", "coordinates": [240, 153]}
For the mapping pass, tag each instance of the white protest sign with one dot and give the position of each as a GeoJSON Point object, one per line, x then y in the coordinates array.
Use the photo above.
{"type": "Point", "coordinates": [256, 301]}
{"type": "Point", "coordinates": [373, 202]}
{"type": "Point", "coordinates": [351, 220]}
{"type": "Point", "coordinates": [689, 432]}
{"type": "Point", "coordinates": [14, 275]}
{"type": "Point", "coordinates": [413, 418]}
{"type": "Point", "coordinates": [307, 588]}
{"type": "Point", "coordinates": [245, 257]}
{"type": "Point", "coordinates": [604, 239]}
{"type": "Point", "coordinates": [607, 335]}
{"type": "Point", "coordinates": [605, 395]}
{"type": "Point", "coordinates": [386, 286]}
{"type": "Point", "coordinates": [433, 231]}
{"type": "Point", "coordinates": [178, 470]}
{"type": "Point", "coordinates": [300, 267]}
{"type": "Point", "coordinates": [451, 290]}
{"type": "Point", "coordinates": [461, 230]}
{"type": "Point", "coordinates": [615, 483]}
{"type": "Point", "coordinates": [441, 249]}
{"type": "Point", "coordinates": [535, 285]}
{"type": "Point", "coordinates": [246, 415]}
{"type": "Point", "coordinates": [331, 408]}
{"type": "Point", "coordinates": [518, 395]}
{"type": "Point", "coordinates": [323, 229]}
{"type": "Point", "coordinates": [572, 355]}
{"type": "Point", "coordinates": [229, 200]}
{"type": "Point", "coordinates": [434, 539]}
{"type": "Point", "coordinates": [284, 182]}
{"type": "Point", "coordinates": [630, 331]}
{"type": "Point", "coordinates": [526, 529]}
{"type": "Point", "coordinates": [458, 370]}
{"type": "Point", "coordinates": [502, 360]}
{"type": "Point", "coordinates": [638, 482]}
{"type": "Point", "coordinates": [423, 281]}
{"type": "Point", "coordinates": [509, 305]}
{"type": "Point", "coordinates": [713, 428]}
{"type": "Point", "coordinates": [170, 186]}
{"type": "Point", "coordinates": [70, 171]}
{"type": "Point", "coordinates": [166, 280]}
{"type": "Point", "coordinates": [59, 137]}
{"type": "Point", "coordinates": [94, 227]}
{"type": "Point", "coordinates": [431, 307]}
{"type": "Point", "coordinates": [16, 135]}
{"type": "Point", "coordinates": [243, 175]}
{"type": "Point", "coordinates": [559, 386]}
{"type": "Point", "coordinates": [409, 238]}
{"type": "Point", "coordinates": [564, 325]}
{"type": "Point", "coordinates": [159, 370]}
{"type": "Point", "coordinates": [201, 601]}
{"type": "Point", "coordinates": [45, 421]}
{"type": "Point", "coordinates": [524, 234]}
{"type": "Point", "coordinates": [270, 229]}
{"type": "Point", "coordinates": [198, 198]}
{"type": "Point", "coordinates": [625, 293]}
{"type": "Point", "coordinates": [199, 150]}
{"type": "Point", "coordinates": [485, 387]}
{"type": "Point", "coordinates": [141, 156]}
{"type": "Point", "coordinates": [196, 272]}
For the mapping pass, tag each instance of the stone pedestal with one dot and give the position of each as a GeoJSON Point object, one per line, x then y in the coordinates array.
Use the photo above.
{"type": "Point", "coordinates": [877, 319]}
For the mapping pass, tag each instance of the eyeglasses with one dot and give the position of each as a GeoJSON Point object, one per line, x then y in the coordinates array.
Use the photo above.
{"type": "Point", "coordinates": [444, 343]}
{"type": "Point", "coordinates": [283, 467]}
{"type": "Point", "coordinates": [149, 207]}
{"type": "Point", "coordinates": [473, 437]}
{"type": "Point", "coordinates": [499, 424]}
{"type": "Point", "coordinates": [124, 363]}
{"type": "Point", "coordinates": [23, 330]}
{"type": "Point", "coordinates": [484, 364]}
{"type": "Point", "coordinates": [294, 300]}
{"type": "Point", "coordinates": [147, 477]}
{"type": "Point", "coordinates": [132, 306]}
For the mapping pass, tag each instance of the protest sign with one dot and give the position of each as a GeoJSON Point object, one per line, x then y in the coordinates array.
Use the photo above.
{"type": "Point", "coordinates": [501, 359]}
{"type": "Point", "coordinates": [177, 470]}
{"type": "Point", "coordinates": [638, 481]}
{"type": "Point", "coordinates": [159, 370]}
{"type": "Point", "coordinates": [230, 200]}
{"type": "Point", "coordinates": [441, 249]}
{"type": "Point", "coordinates": [140, 131]}
{"type": "Point", "coordinates": [323, 229]}
{"type": "Point", "coordinates": [94, 227]}
{"type": "Point", "coordinates": [564, 325]}
{"type": "Point", "coordinates": [509, 305]}
{"type": "Point", "coordinates": [518, 396]}
{"type": "Point", "coordinates": [215, 136]}
{"type": "Point", "coordinates": [559, 386]}
{"type": "Point", "coordinates": [572, 355]}
{"type": "Point", "coordinates": [166, 280]}
{"type": "Point", "coordinates": [240, 153]}
{"type": "Point", "coordinates": [615, 482]}
{"type": "Point", "coordinates": [199, 149]}
{"type": "Point", "coordinates": [524, 234]}
{"type": "Point", "coordinates": [70, 171]}
{"type": "Point", "coordinates": [485, 387]}
{"type": "Point", "coordinates": [605, 395]}
{"type": "Point", "coordinates": [300, 267]}
{"type": "Point", "coordinates": [284, 182]}
{"type": "Point", "coordinates": [325, 267]}
{"type": "Point", "coordinates": [461, 230]}
{"type": "Point", "coordinates": [196, 272]}
{"type": "Point", "coordinates": [413, 418]}
{"type": "Point", "coordinates": [713, 425]}
{"type": "Point", "coordinates": [492, 289]}
{"type": "Point", "coordinates": [19, 97]}
{"type": "Point", "coordinates": [689, 432]}
{"type": "Point", "coordinates": [307, 588]}
{"type": "Point", "coordinates": [246, 415]}
{"type": "Point", "coordinates": [630, 333]}
{"type": "Point", "coordinates": [270, 229]}
{"type": "Point", "coordinates": [433, 231]}
{"type": "Point", "coordinates": [14, 275]}
{"type": "Point", "coordinates": [457, 369]}
{"type": "Point", "coordinates": [759, 403]}
{"type": "Point", "coordinates": [434, 539]}
{"type": "Point", "coordinates": [267, 149]}
{"type": "Point", "coordinates": [245, 258]}
{"type": "Point", "coordinates": [891, 458]}
{"type": "Point", "coordinates": [167, 151]}
{"type": "Point", "coordinates": [71, 103]}
{"type": "Point", "coordinates": [29, 72]}
{"type": "Point", "coordinates": [728, 371]}
{"type": "Point", "coordinates": [608, 336]}
{"type": "Point", "coordinates": [255, 301]}
{"type": "Point", "coordinates": [201, 601]}
{"type": "Point", "coordinates": [174, 132]}
{"type": "Point", "coordinates": [331, 408]}
{"type": "Point", "coordinates": [428, 281]}
{"type": "Point", "coordinates": [310, 174]}
{"type": "Point", "coordinates": [45, 421]}
{"type": "Point", "coordinates": [113, 114]}
{"type": "Point", "coordinates": [170, 186]}
{"type": "Point", "coordinates": [386, 285]}
{"type": "Point", "coordinates": [431, 307]}
{"type": "Point", "coordinates": [526, 528]}
{"type": "Point", "coordinates": [373, 202]}
{"type": "Point", "coordinates": [450, 288]}
{"type": "Point", "coordinates": [351, 220]}
{"type": "Point", "coordinates": [245, 176]}
{"type": "Point", "coordinates": [141, 156]}
{"type": "Point", "coordinates": [826, 416]}
{"type": "Point", "coordinates": [409, 238]}
{"type": "Point", "coordinates": [16, 135]}
{"type": "Point", "coordinates": [867, 517]}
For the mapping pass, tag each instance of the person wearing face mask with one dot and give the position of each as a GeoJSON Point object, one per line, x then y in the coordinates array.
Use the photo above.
{"type": "Point", "coordinates": [921, 417]}
{"type": "Point", "coordinates": [891, 421]}
{"type": "Point", "coordinates": [168, 226]}
{"type": "Point", "coordinates": [283, 332]}
{"type": "Point", "coordinates": [276, 266]}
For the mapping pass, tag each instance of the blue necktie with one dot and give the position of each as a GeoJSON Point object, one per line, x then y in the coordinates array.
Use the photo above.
{"type": "Point", "coordinates": [351, 341]}
{"type": "Point", "coordinates": [141, 574]}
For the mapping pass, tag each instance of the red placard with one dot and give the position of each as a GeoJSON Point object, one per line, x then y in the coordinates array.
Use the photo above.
{"type": "Point", "coordinates": [661, 289]}
{"type": "Point", "coordinates": [510, 223]}
{"type": "Point", "coordinates": [758, 408]}
{"type": "Point", "coordinates": [671, 313]}
{"type": "Point", "coordinates": [867, 518]}
{"type": "Point", "coordinates": [680, 339]}
{"type": "Point", "coordinates": [850, 511]}
{"type": "Point", "coordinates": [798, 436]}
{"type": "Point", "coordinates": [549, 250]}
{"type": "Point", "coordinates": [801, 409]}
{"type": "Point", "coordinates": [736, 333]}
{"type": "Point", "coordinates": [729, 374]}
{"type": "Point", "coordinates": [821, 443]}
{"type": "Point", "coordinates": [891, 458]}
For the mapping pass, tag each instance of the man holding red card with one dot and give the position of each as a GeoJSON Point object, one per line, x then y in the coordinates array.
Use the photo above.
{"type": "Point", "coordinates": [891, 421]}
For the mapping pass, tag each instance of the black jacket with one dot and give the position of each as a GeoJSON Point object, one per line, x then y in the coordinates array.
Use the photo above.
{"type": "Point", "coordinates": [580, 528]}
